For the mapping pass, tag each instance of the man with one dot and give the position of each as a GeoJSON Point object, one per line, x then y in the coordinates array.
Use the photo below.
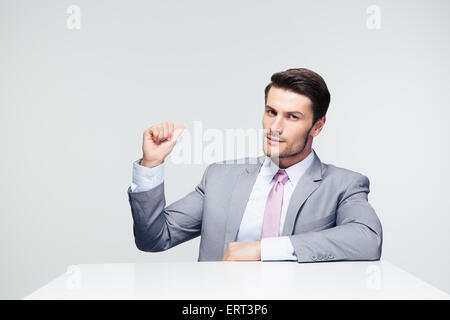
{"type": "Point", "coordinates": [286, 206]}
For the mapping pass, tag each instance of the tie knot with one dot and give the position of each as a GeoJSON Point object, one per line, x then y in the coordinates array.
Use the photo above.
{"type": "Point", "coordinates": [281, 176]}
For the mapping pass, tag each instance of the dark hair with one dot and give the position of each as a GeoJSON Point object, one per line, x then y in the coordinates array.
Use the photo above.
{"type": "Point", "coordinates": [305, 82]}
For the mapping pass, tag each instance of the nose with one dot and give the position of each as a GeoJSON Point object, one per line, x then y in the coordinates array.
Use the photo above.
{"type": "Point", "coordinates": [276, 129]}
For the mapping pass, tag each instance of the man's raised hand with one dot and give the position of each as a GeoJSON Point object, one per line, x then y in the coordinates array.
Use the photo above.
{"type": "Point", "coordinates": [158, 141]}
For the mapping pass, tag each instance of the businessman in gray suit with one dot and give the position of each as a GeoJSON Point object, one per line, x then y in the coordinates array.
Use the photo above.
{"type": "Point", "coordinates": [283, 205]}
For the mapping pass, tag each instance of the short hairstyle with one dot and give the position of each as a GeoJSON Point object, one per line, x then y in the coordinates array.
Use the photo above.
{"type": "Point", "coordinates": [305, 82]}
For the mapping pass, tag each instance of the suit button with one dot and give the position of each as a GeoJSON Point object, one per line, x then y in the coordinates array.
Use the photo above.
{"type": "Point", "coordinates": [314, 258]}
{"type": "Point", "coordinates": [330, 256]}
{"type": "Point", "coordinates": [320, 257]}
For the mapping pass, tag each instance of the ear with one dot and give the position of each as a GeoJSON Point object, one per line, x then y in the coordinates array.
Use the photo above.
{"type": "Point", "coordinates": [318, 126]}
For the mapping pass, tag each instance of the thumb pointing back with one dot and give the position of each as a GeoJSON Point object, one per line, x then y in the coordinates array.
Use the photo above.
{"type": "Point", "coordinates": [177, 132]}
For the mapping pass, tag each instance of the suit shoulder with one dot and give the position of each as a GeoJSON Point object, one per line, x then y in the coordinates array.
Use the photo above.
{"type": "Point", "coordinates": [342, 174]}
{"type": "Point", "coordinates": [344, 180]}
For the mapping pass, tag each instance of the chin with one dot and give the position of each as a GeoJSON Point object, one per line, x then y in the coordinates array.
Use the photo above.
{"type": "Point", "coordinates": [272, 152]}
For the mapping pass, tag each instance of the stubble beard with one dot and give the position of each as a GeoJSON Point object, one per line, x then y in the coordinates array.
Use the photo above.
{"type": "Point", "coordinates": [287, 153]}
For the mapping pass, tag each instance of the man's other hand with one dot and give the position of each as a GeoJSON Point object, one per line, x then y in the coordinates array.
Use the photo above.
{"type": "Point", "coordinates": [243, 251]}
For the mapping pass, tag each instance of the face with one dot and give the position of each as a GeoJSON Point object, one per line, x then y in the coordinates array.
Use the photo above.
{"type": "Point", "coordinates": [288, 127]}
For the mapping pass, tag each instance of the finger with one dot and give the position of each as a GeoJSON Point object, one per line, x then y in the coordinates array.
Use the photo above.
{"type": "Point", "coordinates": [170, 123]}
{"type": "Point", "coordinates": [155, 133]}
{"type": "Point", "coordinates": [160, 132]}
{"type": "Point", "coordinates": [147, 133]}
{"type": "Point", "coordinates": [166, 130]}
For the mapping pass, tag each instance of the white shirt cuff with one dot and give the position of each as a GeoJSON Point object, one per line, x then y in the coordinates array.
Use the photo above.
{"type": "Point", "coordinates": [277, 248]}
{"type": "Point", "coordinates": [145, 178]}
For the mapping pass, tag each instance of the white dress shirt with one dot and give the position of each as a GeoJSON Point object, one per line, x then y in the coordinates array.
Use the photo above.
{"type": "Point", "coordinates": [276, 248]}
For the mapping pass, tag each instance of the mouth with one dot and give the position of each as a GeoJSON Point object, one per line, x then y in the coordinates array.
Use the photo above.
{"type": "Point", "coordinates": [273, 140]}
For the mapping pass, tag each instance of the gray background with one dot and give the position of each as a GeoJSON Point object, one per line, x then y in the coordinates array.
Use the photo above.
{"type": "Point", "coordinates": [75, 103]}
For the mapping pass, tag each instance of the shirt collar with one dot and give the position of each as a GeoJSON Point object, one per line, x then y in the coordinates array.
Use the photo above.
{"type": "Point", "coordinates": [295, 172]}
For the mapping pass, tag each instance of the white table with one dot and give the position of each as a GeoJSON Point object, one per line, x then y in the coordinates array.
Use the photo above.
{"type": "Point", "coordinates": [237, 281]}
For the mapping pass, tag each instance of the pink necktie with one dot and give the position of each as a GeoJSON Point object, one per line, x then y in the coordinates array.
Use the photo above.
{"type": "Point", "coordinates": [272, 212]}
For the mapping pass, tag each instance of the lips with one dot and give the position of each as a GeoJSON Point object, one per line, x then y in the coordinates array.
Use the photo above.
{"type": "Point", "coordinates": [274, 140]}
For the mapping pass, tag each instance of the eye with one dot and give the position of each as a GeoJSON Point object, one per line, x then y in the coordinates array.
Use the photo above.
{"type": "Point", "coordinates": [294, 117]}
{"type": "Point", "coordinates": [270, 111]}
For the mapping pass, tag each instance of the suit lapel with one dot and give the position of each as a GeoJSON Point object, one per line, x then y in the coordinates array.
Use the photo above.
{"type": "Point", "coordinates": [239, 198]}
{"type": "Point", "coordinates": [307, 184]}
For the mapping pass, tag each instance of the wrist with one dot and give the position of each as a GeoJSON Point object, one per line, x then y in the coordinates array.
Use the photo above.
{"type": "Point", "coordinates": [150, 164]}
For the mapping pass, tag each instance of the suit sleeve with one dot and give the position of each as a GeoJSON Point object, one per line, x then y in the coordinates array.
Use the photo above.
{"type": "Point", "coordinates": [356, 236]}
{"type": "Point", "coordinates": [158, 227]}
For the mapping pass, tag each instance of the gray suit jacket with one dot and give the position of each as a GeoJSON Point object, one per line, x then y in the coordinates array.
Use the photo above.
{"type": "Point", "coordinates": [328, 217]}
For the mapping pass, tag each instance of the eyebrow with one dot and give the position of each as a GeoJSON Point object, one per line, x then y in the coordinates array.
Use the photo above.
{"type": "Point", "coordinates": [289, 112]}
